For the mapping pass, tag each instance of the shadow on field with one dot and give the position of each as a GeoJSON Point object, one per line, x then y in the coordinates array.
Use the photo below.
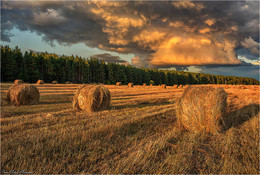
{"type": "Point", "coordinates": [140, 94]}
{"type": "Point", "coordinates": [4, 102]}
{"type": "Point", "coordinates": [54, 102]}
{"type": "Point", "coordinates": [138, 129]}
{"type": "Point", "coordinates": [238, 117]}
{"type": "Point", "coordinates": [146, 126]}
{"type": "Point", "coordinates": [141, 105]}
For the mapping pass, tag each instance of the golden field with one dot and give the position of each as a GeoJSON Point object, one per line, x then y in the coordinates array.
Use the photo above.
{"type": "Point", "coordinates": [139, 134]}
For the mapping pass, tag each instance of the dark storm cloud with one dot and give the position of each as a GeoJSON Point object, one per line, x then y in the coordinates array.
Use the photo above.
{"type": "Point", "coordinates": [252, 45]}
{"type": "Point", "coordinates": [251, 71]}
{"type": "Point", "coordinates": [54, 21]}
{"type": "Point", "coordinates": [5, 34]}
{"type": "Point", "coordinates": [109, 58]}
{"type": "Point", "coordinates": [247, 54]}
{"type": "Point", "coordinates": [160, 34]}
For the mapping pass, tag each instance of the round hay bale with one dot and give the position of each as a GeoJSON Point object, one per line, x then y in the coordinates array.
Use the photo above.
{"type": "Point", "coordinates": [180, 86]}
{"type": "Point", "coordinates": [144, 84]}
{"type": "Point", "coordinates": [130, 84]}
{"type": "Point", "coordinates": [54, 82]}
{"type": "Point", "coordinates": [250, 86]}
{"type": "Point", "coordinates": [175, 86]}
{"type": "Point", "coordinates": [91, 98]}
{"type": "Point", "coordinates": [49, 115]}
{"type": "Point", "coordinates": [151, 84]}
{"type": "Point", "coordinates": [40, 82]}
{"type": "Point", "coordinates": [202, 109]}
{"type": "Point", "coordinates": [163, 86]}
{"type": "Point", "coordinates": [18, 81]}
{"type": "Point", "coordinates": [22, 94]}
{"type": "Point", "coordinates": [118, 83]}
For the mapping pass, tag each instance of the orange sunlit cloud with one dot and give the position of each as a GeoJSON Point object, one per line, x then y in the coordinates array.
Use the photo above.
{"type": "Point", "coordinates": [205, 30]}
{"type": "Point", "coordinates": [210, 21]}
{"type": "Point", "coordinates": [193, 51]}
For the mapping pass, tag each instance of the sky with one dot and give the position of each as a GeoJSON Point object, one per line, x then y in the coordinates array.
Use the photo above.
{"type": "Point", "coordinates": [216, 37]}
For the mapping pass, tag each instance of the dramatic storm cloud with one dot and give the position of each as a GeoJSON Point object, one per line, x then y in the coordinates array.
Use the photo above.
{"type": "Point", "coordinates": [109, 58]}
{"type": "Point", "coordinates": [252, 45]}
{"type": "Point", "coordinates": [159, 34]}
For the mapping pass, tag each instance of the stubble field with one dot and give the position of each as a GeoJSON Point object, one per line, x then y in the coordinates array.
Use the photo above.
{"type": "Point", "coordinates": [139, 134]}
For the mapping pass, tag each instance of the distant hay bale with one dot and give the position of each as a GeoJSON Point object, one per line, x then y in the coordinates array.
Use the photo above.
{"type": "Point", "coordinates": [22, 94]}
{"type": "Point", "coordinates": [163, 86]}
{"type": "Point", "coordinates": [18, 81]}
{"type": "Point", "coordinates": [243, 87]}
{"type": "Point", "coordinates": [130, 84]}
{"type": "Point", "coordinates": [185, 86]}
{"type": "Point", "coordinates": [202, 109]}
{"type": "Point", "coordinates": [250, 86]}
{"type": "Point", "coordinates": [144, 84]}
{"type": "Point", "coordinates": [54, 82]}
{"type": "Point", "coordinates": [49, 115]}
{"type": "Point", "coordinates": [151, 84]}
{"type": "Point", "coordinates": [118, 83]}
{"type": "Point", "coordinates": [175, 86]}
{"type": "Point", "coordinates": [91, 98]}
{"type": "Point", "coordinates": [40, 82]}
{"type": "Point", "coordinates": [180, 86]}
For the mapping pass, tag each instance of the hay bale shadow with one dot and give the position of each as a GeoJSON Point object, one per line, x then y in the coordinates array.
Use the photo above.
{"type": "Point", "coordinates": [240, 116]}
{"type": "Point", "coordinates": [140, 105]}
{"type": "Point", "coordinates": [144, 127]}
{"type": "Point", "coordinates": [54, 102]}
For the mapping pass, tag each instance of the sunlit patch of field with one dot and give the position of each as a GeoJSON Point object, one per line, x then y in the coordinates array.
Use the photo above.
{"type": "Point", "coordinates": [139, 134]}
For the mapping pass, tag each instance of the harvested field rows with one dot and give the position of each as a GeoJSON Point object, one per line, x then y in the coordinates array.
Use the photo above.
{"type": "Point", "coordinates": [139, 134]}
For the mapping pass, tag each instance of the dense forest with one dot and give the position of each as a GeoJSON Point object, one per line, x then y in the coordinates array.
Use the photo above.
{"type": "Point", "coordinates": [32, 66]}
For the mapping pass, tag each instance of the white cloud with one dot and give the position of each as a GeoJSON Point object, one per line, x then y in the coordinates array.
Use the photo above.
{"type": "Point", "coordinates": [252, 45]}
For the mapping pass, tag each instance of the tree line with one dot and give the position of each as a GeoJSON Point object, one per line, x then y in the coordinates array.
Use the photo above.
{"type": "Point", "coordinates": [32, 66]}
